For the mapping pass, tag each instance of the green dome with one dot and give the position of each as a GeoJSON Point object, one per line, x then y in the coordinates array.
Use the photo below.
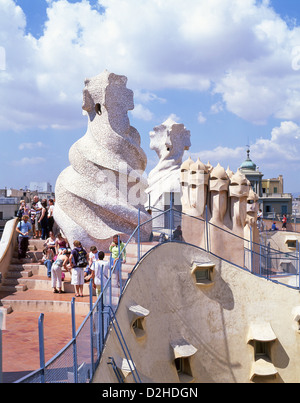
{"type": "Point", "coordinates": [248, 164]}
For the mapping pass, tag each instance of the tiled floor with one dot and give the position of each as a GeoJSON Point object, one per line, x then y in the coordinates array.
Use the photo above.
{"type": "Point", "coordinates": [20, 341]}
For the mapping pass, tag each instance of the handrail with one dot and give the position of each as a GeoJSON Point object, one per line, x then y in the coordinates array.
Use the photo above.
{"type": "Point", "coordinates": [124, 347]}
{"type": "Point", "coordinates": [115, 369]}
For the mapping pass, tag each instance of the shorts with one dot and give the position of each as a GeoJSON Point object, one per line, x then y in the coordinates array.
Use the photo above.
{"type": "Point", "coordinates": [77, 276]}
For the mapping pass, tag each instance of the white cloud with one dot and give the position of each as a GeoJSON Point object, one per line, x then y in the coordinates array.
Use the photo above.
{"type": "Point", "coordinates": [31, 146]}
{"type": "Point", "coordinates": [216, 108]}
{"type": "Point", "coordinates": [278, 152]}
{"type": "Point", "coordinates": [140, 112]}
{"type": "Point", "coordinates": [201, 118]}
{"type": "Point", "coordinates": [28, 161]}
{"type": "Point", "coordinates": [146, 97]}
{"type": "Point", "coordinates": [174, 117]}
{"type": "Point", "coordinates": [240, 50]}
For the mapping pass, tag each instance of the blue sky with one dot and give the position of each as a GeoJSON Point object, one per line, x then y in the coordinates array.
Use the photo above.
{"type": "Point", "coordinates": [229, 70]}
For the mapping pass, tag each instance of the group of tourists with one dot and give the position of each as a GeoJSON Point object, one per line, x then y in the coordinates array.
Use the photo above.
{"type": "Point", "coordinates": [36, 221]}
{"type": "Point", "coordinates": [260, 224]}
{"type": "Point", "coordinates": [59, 258]}
{"type": "Point", "coordinates": [39, 215]}
{"type": "Point", "coordinates": [84, 267]}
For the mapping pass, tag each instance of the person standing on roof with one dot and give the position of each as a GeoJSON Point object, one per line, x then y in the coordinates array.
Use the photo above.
{"type": "Point", "coordinates": [78, 260]}
{"type": "Point", "coordinates": [114, 250]}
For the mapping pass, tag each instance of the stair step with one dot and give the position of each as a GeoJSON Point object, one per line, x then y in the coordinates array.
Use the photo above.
{"type": "Point", "coordinates": [16, 277]}
{"type": "Point", "coordinates": [15, 267]}
{"type": "Point", "coordinates": [22, 261]}
{"type": "Point", "coordinates": [131, 259]}
{"type": "Point", "coordinates": [31, 275]}
{"type": "Point", "coordinates": [12, 288]}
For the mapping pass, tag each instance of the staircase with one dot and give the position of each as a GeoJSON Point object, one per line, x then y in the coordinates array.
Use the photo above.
{"type": "Point", "coordinates": [26, 286]}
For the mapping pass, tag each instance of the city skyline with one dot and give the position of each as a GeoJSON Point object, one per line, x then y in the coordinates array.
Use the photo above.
{"type": "Point", "coordinates": [228, 70]}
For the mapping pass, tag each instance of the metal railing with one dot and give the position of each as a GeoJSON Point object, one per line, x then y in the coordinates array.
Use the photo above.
{"type": "Point", "coordinates": [77, 361]}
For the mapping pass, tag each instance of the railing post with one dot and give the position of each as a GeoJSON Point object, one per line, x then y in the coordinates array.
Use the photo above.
{"type": "Point", "coordinates": [171, 215]}
{"type": "Point", "coordinates": [119, 265]}
{"type": "Point", "coordinates": [91, 326]}
{"type": "Point", "coordinates": [251, 249]}
{"type": "Point", "coordinates": [206, 228]}
{"type": "Point", "coordinates": [110, 285]}
{"type": "Point", "coordinates": [299, 263]}
{"type": "Point", "coordinates": [1, 324]}
{"type": "Point", "coordinates": [260, 258]}
{"type": "Point", "coordinates": [139, 223]}
{"type": "Point", "coordinates": [42, 347]}
{"type": "Point", "coordinates": [75, 366]}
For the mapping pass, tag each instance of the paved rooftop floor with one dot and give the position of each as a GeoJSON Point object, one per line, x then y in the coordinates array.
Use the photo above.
{"type": "Point", "coordinates": [20, 341]}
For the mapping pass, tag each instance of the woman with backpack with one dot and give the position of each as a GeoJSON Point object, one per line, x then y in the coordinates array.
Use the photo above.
{"type": "Point", "coordinates": [78, 260]}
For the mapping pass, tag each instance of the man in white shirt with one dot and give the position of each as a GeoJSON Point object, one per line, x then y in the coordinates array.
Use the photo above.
{"type": "Point", "coordinates": [93, 256]}
{"type": "Point", "coordinates": [37, 205]}
{"type": "Point", "coordinates": [97, 267]}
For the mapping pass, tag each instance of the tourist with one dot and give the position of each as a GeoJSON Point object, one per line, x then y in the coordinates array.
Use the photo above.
{"type": "Point", "coordinates": [162, 238]}
{"type": "Point", "coordinates": [23, 209]}
{"type": "Point", "coordinates": [284, 221]}
{"type": "Point", "coordinates": [177, 234]}
{"type": "Point", "coordinates": [100, 269]}
{"type": "Point", "coordinates": [78, 262]}
{"type": "Point", "coordinates": [259, 220]}
{"type": "Point", "coordinates": [60, 243]}
{"type": "Point", "coordinates": [50, 214]}
{"type": "Point", "coordinates": [32, 220]}
{"type": "Point", "coordinates": [50, 242]}
{"type": "Point", "coordinates": [47, 259]}
{"type": "Point", "coordinates": [23, 229]}
{"type": "Point", "coordinates": [114, 250]}
{"type": "Point", "coordinates": [61, 262]}
{"type": "Point", "coordinates": [36, 204]}
{"type": "Point", "coordinates": [93, 256]}
{"type": "Point", "coordinates": [43, 220]}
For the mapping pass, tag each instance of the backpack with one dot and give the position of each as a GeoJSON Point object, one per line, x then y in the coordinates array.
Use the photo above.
{"type": "Point", "coordinates": [81, 260]}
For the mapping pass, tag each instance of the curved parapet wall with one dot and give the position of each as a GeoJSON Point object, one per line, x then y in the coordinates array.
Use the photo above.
{"type": "Point", "coordinates": [100, 193]}
{"type": "Point", "coordinates": [169, 313]}
{"type": "Point", "coordinates": [7, 245]}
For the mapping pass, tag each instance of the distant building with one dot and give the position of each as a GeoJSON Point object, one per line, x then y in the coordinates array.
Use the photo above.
{"type": "Point", "coordinates": [272, 199]}
{"type": "Point", "coordinates": [273, 186]}
{"type": "Point", "coordinates": [8, 207]}
{"type": "Point", "coordinates": [252, 173]}
{"type": "Point", "coordinates": [41, 187]}
{"type": "Point", "coordinates": [10, 199]}
{"type": "Point", "coordinates": [296, 207]}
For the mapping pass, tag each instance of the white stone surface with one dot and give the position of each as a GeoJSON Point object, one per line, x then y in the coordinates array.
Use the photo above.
{"type": "Point", "coordinates": [100, 193]}
{"type": "Point", "coordinates": [169, 140]}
